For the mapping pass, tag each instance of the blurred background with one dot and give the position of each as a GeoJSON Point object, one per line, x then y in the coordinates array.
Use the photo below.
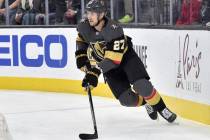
{"type": "Point", "coordinates": [171, 13]}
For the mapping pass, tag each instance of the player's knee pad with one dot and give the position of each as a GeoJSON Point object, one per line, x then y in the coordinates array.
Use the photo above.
{"type": "Point", "coordinates": [129, 98]}
{"type": "Point", "coordinates": [143, 87]}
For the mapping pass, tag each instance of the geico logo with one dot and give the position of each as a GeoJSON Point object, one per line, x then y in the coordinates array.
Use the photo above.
{"type": "Point", "coordinates": [18, 48]}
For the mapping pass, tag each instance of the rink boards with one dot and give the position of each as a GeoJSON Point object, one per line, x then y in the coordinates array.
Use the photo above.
{"type": "Point", "coordinates": [177, 61]}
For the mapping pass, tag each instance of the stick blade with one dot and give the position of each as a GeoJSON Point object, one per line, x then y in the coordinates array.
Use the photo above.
{"type": "Point", "coordinates": [88, 136]}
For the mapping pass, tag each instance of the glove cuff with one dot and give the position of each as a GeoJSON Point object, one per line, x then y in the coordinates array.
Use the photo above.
{"type": "Point", "coordinates": [94, 71]}
{"type": "Point", "coordinates": [82, 59]}
{"type": "Point", "coordinates": [81, 55]}
{"type": "Point", "coordinates": [78, 52]}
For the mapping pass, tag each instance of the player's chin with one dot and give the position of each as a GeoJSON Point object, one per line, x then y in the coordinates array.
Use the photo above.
{"type": "Point", "coordinates": [92, 23]}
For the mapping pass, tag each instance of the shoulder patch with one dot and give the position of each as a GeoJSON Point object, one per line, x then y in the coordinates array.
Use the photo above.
{"type": "Point", "coordinates": [112, 31]}
{"type": "Point", "coordinates": [114, 26]}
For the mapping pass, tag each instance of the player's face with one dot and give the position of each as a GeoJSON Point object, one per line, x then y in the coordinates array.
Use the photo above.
{"type": "Point", "coordinates": [93, 17]}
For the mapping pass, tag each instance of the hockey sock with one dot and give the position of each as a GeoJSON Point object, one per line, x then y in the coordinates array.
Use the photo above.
{"type": "Point", "coordinates": [155, 101]}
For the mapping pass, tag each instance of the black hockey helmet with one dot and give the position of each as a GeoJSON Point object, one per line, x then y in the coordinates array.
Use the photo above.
{"type": "Point", "coordinates": [96, 6]}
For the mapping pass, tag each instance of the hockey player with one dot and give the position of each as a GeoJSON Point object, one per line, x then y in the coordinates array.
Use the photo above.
{"type": "Point", "coordinates": [101, 40]}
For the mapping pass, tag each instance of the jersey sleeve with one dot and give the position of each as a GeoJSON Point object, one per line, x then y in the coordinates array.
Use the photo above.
{"type": "Point", "coordinates": [81, 43]}
{"type": "Point", "coordinates": [81, 53]}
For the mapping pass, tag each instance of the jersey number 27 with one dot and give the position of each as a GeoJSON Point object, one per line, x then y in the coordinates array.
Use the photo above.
{"type": "Point", "coordinates": [119, 45]}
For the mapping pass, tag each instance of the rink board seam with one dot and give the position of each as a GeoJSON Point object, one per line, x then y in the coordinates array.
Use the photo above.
{"type": "Point", "coordinates": [184, 108]}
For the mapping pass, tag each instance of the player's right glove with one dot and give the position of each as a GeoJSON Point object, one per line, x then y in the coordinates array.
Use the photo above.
{"type": "Point", "coordinates": [91, 78]}
{"type": "Point", "coordinates": [82, 60]}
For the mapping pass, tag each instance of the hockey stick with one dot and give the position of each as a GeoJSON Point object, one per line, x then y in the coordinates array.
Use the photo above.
{"type": "Point", "coordinates": [95, 135]}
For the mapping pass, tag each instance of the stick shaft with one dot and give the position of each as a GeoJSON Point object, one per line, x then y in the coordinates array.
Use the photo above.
{"type": "Point", "coordinates": [92, 110]}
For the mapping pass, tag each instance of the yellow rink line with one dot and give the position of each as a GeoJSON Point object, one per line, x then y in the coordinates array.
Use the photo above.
{"type": "Point", "coordinates": [184, 108]}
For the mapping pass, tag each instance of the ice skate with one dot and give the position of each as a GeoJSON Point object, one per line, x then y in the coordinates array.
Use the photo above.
{"type": "Point", "coordinates": [151, 112]}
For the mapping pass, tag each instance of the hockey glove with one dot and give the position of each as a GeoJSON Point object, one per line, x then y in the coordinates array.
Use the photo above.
{"type": "Point", "coordinates": [91, 78]}
{"type": "Point", "coordinates": [82, 60]}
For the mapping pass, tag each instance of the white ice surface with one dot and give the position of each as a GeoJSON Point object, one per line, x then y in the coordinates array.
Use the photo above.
{"type": "Point", "coordinates": [50, 116]}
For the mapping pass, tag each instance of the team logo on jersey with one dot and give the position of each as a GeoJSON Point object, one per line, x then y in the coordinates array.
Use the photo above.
{"type": "Point", "coordinates": [98, 49]}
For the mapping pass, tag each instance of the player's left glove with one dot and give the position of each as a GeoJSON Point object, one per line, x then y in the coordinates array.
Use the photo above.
{"type": "Point", "coordinates": [91, 78]}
